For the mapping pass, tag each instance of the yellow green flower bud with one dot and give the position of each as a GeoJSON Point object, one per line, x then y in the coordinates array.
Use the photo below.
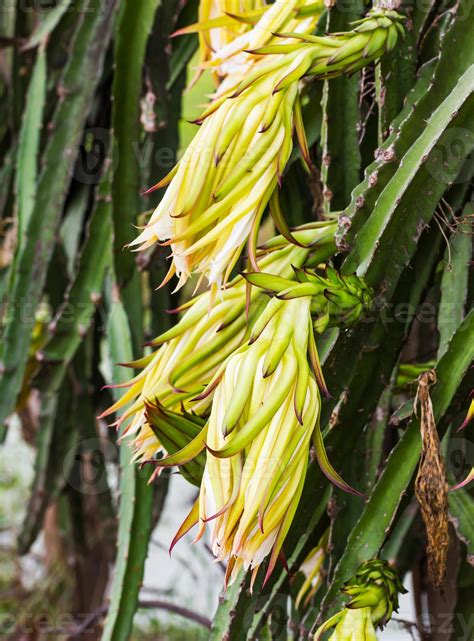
{"type": "Point", "coordinates": [178, 432]}
{"type": "Point", "coordinates": [186, 357]}
{"type": "Point", "coordinates": [374, 594]}
{"type": "Point", "coordinates": [335, 299]}
{"type": "Point", "coordinates": [263, 416]}
{"type": "Point", "coordinates": [220, 188]}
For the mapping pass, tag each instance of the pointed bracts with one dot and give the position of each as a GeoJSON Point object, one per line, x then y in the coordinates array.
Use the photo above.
{"type": "Point", "coordinates": [221, 186]}
{"type": "Point", "coordinates": [373, 593]}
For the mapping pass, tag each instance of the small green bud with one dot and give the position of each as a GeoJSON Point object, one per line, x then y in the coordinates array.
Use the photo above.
{"type": "Point", "coordinates": [373, 593]}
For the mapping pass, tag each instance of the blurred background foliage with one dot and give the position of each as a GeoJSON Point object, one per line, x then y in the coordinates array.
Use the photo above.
{"type": "Point", "coordinates": [93, 111]}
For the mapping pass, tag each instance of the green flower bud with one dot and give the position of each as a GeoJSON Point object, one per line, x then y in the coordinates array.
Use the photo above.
{"type": "Point", "coordinates": [373, 593]}
{"type": "Point", "coordinates": [218, 192]}
{"type": "Point", "coordinates": [186, 357]}
{"type": "Point", "coordinates": [335, 299]}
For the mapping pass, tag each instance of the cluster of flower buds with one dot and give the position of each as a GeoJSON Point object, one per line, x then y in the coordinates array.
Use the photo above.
{"type": "Point", "coordinates": [186, 357]}
{"type": "Point", "coordinates": [265, 409]}
{"type": "Point", "coordinates": [335, 299]}
{"type": "Point", "coordinates": [227, 32]}
{"type": "Point", "coordinates": [264, 417]}
{"type": "Point", "coordinates": [232, 392]}
{"type": "Point", "coordinates": [220, 188]}
{"type": "Point", "coordinates": [373, 593]}
{"type": "Point", "coordinates": [240, 377]}
{"type": "Point", "coordinates": [346, 52]}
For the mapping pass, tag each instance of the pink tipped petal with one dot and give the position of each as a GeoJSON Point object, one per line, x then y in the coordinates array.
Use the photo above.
{"type": "Point", "coordinates": [469, 478]}
{"type": "Point", "coordinates": [189, 522]}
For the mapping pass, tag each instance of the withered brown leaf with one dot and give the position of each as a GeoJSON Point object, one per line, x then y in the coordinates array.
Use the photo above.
{"type": "Point", "coordinates": [431, 487]}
